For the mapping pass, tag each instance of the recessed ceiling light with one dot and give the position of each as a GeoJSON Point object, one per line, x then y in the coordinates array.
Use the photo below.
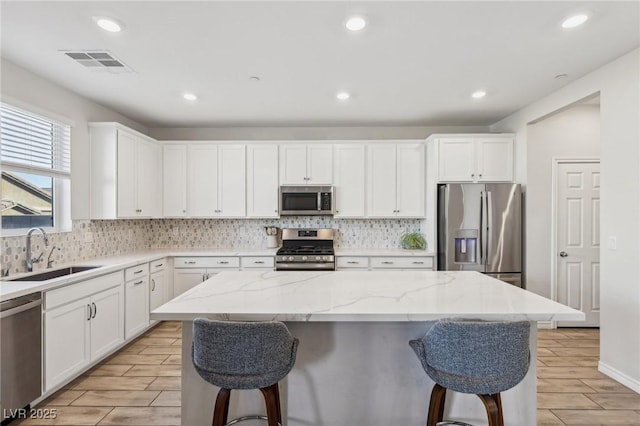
{"type": "Point", "coordinates": [575, 21]}
{"type": "Point", "coordinates": [190, 96]}
{"type": "Point", "coordinates": [355, 23]}
{"type": "Point", "coordinates": [108, 24]}
{"type": "Point", "coordinates": [343, 96]}
{"type": "Point", "coordinates": [478, 94]}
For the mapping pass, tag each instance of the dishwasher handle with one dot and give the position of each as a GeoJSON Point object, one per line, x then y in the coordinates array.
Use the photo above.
{"type": "Point", "coordinates": [20, 308]}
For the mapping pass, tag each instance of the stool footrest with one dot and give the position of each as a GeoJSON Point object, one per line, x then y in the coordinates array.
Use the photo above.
{"type": "Point", "coordinates": [450, 422]}
{"type": "Point", "coordinates": [245, 418]}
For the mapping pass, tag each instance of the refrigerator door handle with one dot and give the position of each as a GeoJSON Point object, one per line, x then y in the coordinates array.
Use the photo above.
{"type": "Point", "coordinates": [489, 244]}
{"type": "Point", "coordinates": [481, 233]}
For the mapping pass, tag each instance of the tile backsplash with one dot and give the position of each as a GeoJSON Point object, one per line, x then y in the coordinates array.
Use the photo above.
{"type": "Point", "coordinates": [99, 238]}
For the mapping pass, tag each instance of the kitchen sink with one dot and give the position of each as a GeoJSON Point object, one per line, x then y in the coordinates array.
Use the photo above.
{"type": "Point", "coordinates": [55, 273]}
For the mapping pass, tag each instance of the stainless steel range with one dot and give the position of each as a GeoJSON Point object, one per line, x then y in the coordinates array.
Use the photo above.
{"type": "Point", "coordinates": [306, 250]}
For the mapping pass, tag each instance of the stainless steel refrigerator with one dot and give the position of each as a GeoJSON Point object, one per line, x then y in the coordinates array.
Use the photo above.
{"type": "Point", "coordinates": [480, 229]}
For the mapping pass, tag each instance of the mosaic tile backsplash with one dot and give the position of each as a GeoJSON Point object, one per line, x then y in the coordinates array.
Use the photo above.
{"type": "Point", "coordinates": [99, 238]}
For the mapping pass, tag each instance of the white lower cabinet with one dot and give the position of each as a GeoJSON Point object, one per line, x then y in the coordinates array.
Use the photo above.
{"type": "Point", "coordinates": [136, 300]}
{"type": "Point", "coordinates": [82, 323]}
{"type": "Point", "coordinates": [384, 262]}
{"type": "Point", "coordinates": [158, 285]}
{"type": "Point", "coordinates": [190, 271]}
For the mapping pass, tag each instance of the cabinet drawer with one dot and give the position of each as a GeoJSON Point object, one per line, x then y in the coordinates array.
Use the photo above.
{"type": "Point", "coordinates": [404, 262]}
{"type": "Point", "coordinates": [352, 262]}
{"type": "Point", "coordinates": [207, 262]}
{"type": "Point", "coordinates": [257, 262]}
{"type": "Point", "coordinates": [136, 272]}
{"type": "Point", "coordinates": [81, 289]}
{"type": "Point", "coordinates": [157, 265]}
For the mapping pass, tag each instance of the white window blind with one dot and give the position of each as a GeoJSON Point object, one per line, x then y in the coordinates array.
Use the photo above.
{"type": "Point", "coordinates": [32, 143]}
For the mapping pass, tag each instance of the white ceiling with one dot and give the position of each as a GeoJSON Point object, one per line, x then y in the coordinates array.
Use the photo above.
{"type": "Point", "coordinates": [416, 63]}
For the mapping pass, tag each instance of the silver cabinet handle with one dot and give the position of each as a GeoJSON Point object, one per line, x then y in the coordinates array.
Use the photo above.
{"type": "Point", "coordinates": [480, 175]}
{"type": "Point", "coordinates": [473, 175]}
{"type": "Point", "coordinates": [159, 265]}
{"type": "Point", "coordinates": [418, 263]}
{"type": "Point", "coordinates": [139, 272]}
{"type": "Point", "coordinates": [222, 262]}
{"type": "Point", "coordinates": [95, 310]}
{"type": "Point", "coordinates": [353, 262]}
{"type": "Point", "coordinates": [153, 284]}
{"type": "Point", "coordinates": [191, 262]}
{"type": "Point", "coordinates": [387, 263]}
{"type": "Point", "coordinates": [138, 282]}
{"type": "Point", "coordinates": [89, 312]}
{"type": "Point", "coordinates": [258, 262]}
{"type": "Point", "coordinates": [564, 254]}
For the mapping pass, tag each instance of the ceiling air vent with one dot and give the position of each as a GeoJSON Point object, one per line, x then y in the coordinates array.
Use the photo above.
{"type": "Point", "coordinates": [98, 60]}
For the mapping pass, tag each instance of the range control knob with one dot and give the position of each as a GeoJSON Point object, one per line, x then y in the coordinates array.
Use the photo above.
{"type": "Point", "coordinates": [317, 257]}
{"type": "Point", "coordinates": [304, 257]}
{"type": "Point", "coordinates": [325, 258]}
{"type": "Point", "coordinates": [290, 258]}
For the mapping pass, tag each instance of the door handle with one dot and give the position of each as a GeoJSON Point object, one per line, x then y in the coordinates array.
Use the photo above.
{"type": "Point", "coordinates": [89, 312]}
{"type": "Point", "coordinates": [95, 310]}
{"type": "Point", "coordinates": [563, 254]}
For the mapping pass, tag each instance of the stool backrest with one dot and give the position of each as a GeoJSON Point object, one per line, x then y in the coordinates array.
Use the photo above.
{"type": "Point", "coordinates": [477, 348]}
{"type": "Point", "coordinates": [242, 348]}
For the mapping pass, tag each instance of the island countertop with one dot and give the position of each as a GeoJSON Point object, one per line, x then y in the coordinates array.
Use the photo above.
{"type": "Point", "coordinates": [349, 296]}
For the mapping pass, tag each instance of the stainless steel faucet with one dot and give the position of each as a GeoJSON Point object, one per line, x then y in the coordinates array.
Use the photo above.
{"type": "Point", "coordinates": [30, 260]}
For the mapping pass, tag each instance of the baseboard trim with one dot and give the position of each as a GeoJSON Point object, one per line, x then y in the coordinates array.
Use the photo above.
{"type": "Point", "coordinates": [546, 324]}
{"type": "Point", "coordinates": [619, 376]}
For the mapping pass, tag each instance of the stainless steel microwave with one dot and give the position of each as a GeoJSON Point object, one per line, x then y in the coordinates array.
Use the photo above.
{"type": "Point", "coordinates": [306, 200]}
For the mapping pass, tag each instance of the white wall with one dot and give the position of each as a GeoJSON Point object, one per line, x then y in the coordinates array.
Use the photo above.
{"type": "Point", "coordinates": [569, 134]}
{"type": "Point", "coordinates": [307, 133]}
{"type": "Point", "coordinates": [30, 91]}
{"type": "Point", "coordinates": [619, 86]}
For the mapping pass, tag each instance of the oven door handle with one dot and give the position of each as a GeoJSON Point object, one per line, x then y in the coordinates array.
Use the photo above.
{"type": "Point", "coordinates": [21, 308]}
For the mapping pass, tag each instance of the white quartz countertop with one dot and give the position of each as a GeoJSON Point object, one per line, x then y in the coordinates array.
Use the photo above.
{"type": "Point", "coordinates": [360, 296]}
{"type": "Point", "coordinates": [381, 252]}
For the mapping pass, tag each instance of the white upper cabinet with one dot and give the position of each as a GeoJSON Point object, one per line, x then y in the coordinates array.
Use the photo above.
{"type": "Point", "coordinates": [202, 184]}
{"type": "Point", "coordinates": [475, 159]}
{"type": "Point", "coordinates": [262, 180]}
{"type": "Point", "coordinates": [232, 185]}
{"type": "Point", "coordinates": [302, 164]}
{"type": "Point", "coordinates": [349, 180]}
{"type": "Point", "coordinates": [174, 178]}
{"type": "Point", "coordinates": [126, 173]}
{"type": "Point", "coordinates": [395, 180]}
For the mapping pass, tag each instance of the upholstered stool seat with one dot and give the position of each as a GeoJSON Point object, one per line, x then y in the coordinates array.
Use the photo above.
{"type": "Point", "coordinates": [243, 355]}
{"type": "Point", "coordinates": [475, 357]}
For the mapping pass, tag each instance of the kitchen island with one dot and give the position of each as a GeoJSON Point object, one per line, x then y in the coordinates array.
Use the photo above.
{"type": "Point", "coordinates": [354, 365]}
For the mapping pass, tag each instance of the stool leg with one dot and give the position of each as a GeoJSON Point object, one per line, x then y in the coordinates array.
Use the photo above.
{"type": "Point", "coordinates": [271, 399]}
{"type": "Point", "coordinates": [221, 410]}
{"type": "Point", "coordinates": [278, 406]}
{"type": "Point", "coordinates": [493, 404]}
{"type": "Point", "coordinates": [436, 405]}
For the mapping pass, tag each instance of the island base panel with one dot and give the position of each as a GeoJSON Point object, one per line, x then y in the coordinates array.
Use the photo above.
{"type": "Point", "coordinates": [355, 374]}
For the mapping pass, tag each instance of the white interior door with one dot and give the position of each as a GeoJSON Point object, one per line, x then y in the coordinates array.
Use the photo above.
{"type": "Point", "coordinates": [578, 239]}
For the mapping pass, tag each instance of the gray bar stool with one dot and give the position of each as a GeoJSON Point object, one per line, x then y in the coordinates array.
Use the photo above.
{"type": "Point", "coordinates": [243, 355]}
{"type": "Point", "coordinates": [475, 357]}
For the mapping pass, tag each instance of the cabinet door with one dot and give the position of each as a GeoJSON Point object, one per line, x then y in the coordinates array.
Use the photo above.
{"type": "Point", "coordinates": [107, 321]}
{"type": "Point", "coordinates": [349, 174]}
{"type": "Point", "coordinates": [149, 179]}
{"type": "Point", "coordinates": [187, 278]}
{"type": "Point", "coordinates": [495, 159]}
{"type": "Point", "coordinates": [320, 164]}
{"type": "Point", "coordinates": [381, 180]}
{"type": "Point", "coordinates": [293, 164]}
{"type": "Point", "coordinates": [66, 337]}
{"type": "Point", "coordinates": [262, 181]}
{"type": "Point", "coordinates": [127, 174]}
{"type": "Point", "coordinates": [136, 306]}
{"type": "Point", "coordinates": [410, 180]}
{"type": "Point", "coordinates": [203, 180]}
{"type": "Point", "coordinates": [456, 160]}
{"type": "Point", "coordinates": [232, 185]}
{"type": "Point", "coordinates": [157, 290]}
{"type": "Point", "coordinates": [174, 178]}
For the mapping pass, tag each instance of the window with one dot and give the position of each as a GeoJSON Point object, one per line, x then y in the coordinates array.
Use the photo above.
{"type": "Point", "coordinates": [35, 157]}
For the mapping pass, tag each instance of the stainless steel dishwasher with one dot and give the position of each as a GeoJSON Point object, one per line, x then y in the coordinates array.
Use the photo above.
{"type": "Point", "coordinates": [20, 353]}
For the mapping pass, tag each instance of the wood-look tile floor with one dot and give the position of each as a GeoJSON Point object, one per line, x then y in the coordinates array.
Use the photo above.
{"type": "Point", "coordinates": [140, 385]}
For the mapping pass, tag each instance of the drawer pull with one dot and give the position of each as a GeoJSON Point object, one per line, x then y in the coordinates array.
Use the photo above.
{"type": "Point", "coordinates": [153, 285]}
{"type": "Point", "coordinates": [190, 262]}
{"type": "Point", "coordinates": [386, 262]}
{"type": "Point", "coordinates": [159, 265]}
{"type": "Point", "coordinates": [138, 282]}
{"type": "Point", "coordinates": [89, 314]}
{"type": "Point", "coordinates": [139, 272]}
{"type": "Point", "coordinates": [222, 262]}
{"type": "Point", "coordinates": [418, 263]}
{"type": "Point", "coordinates": [353, 262]}
{"type": "Point", "coordinates": [258, 262]}
{"type": "Point", "coordinates": [95, 310]}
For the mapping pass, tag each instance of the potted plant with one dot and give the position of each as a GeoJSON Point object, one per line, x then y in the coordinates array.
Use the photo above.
{"type": "Point", "coordinates": [413, 241]}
